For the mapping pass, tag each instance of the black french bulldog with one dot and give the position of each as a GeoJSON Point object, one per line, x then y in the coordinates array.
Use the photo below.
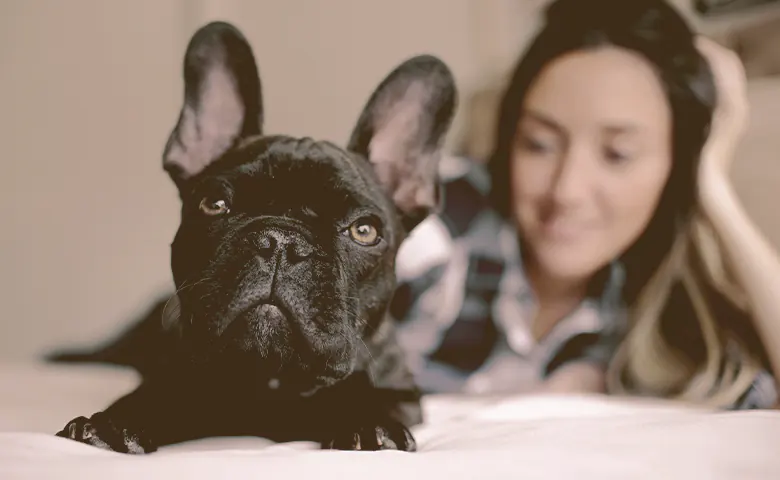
{"type": "Point", "coordinates": [284, 265]}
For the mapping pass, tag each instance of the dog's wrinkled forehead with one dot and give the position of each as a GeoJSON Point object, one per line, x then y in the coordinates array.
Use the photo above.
{"type": "Point", "coordinates": [278, 172]}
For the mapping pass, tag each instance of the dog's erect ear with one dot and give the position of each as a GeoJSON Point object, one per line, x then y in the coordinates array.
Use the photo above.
{"type": "Point", "coordinates": [401, 131]}
{"type": "Point", "coordinates": [222, 100]}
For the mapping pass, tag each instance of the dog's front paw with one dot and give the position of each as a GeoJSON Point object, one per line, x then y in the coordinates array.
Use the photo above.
{"type": "Point", "coordinates": [100, 431]}
{"type": "Point", "coordinates": [389, 435]}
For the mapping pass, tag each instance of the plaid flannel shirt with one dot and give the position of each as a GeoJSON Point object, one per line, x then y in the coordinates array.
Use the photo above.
{"type": "Point", "coordinates": [465, 308]}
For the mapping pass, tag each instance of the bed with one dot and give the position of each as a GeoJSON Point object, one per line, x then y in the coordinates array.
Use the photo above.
{"type": "Point", "coordinates": [524, 437]}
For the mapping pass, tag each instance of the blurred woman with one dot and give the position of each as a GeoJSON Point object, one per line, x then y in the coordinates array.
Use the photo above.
{"type": "Point", "coordinates": [604, 249]}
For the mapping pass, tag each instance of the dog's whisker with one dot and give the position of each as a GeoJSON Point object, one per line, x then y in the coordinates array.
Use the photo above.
{"type": "Point", "coordinates": [372, 363]}
{"type": "Point", "coordinates": [184, 285]}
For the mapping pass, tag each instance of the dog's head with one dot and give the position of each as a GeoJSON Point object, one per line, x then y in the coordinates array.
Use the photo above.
{"type": "Point", "coordinates": [285, 255]}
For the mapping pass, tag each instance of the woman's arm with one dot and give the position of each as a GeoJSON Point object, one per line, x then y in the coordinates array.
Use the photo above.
{"type": "Point", "coordinates": [754, 262]}
{"type": "Point", "coordinates": [576, 377]}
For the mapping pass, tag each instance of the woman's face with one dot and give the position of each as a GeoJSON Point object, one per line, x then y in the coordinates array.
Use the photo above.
{"type": "Point", "coordinates": [592, 155]}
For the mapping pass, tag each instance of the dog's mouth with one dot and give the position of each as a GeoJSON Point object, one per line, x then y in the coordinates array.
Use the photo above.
{"type": "Point", "coordinates": [268, 315]}
{"type": "Point", "coordinates": [265, 339]}
{"type": "Point", "coordinates": [258, 320]}
{"type": "Point", "coordinates": [267, 312]}
{"type": "Point", "coordinates": [253, 307]}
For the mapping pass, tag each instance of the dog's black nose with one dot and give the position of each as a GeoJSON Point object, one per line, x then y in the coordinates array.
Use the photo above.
{"type": "Point", "coordinates": [284, 245]}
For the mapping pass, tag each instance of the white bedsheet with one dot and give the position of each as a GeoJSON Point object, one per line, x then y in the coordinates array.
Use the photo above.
{"type": "Point", "coordinates": [524, 437]}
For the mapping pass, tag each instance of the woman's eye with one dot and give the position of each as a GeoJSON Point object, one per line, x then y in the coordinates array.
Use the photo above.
{"type": "Point", "coordinates": [533, 145]}
{"type": "Point", "coordinates": [214, 207]}
{"type": "Point", "coordinates": [615, 156]}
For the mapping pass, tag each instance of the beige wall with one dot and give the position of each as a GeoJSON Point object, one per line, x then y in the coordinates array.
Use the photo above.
{"type": "Point", "coordinates": [87, 94]}
{"type": "Point", "coordinates": [89, 90]}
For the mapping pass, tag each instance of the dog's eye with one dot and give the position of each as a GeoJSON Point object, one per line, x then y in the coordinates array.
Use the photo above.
{"type": "Point", "coordinates": [213, 207]}
{"type": "Point", "coordinates": [364, 233]}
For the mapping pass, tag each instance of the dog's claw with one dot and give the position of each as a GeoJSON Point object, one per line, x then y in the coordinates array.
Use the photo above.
{"type": "Point", "coordinates": [99, 431]}
{"type": "Point", "coordinates": [391, 436]}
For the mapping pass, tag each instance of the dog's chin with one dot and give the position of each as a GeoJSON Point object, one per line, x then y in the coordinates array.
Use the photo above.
{"type": "Point", "coordinates": [300, 380]}
{"type": "Point", "coordinates": [258, 329]}
{"type": "Point", "coordinates": [261, 344]}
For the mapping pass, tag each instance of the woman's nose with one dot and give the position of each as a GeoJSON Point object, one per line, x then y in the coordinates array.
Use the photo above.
{"type": "Point", "coordinates": [573, 176]}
